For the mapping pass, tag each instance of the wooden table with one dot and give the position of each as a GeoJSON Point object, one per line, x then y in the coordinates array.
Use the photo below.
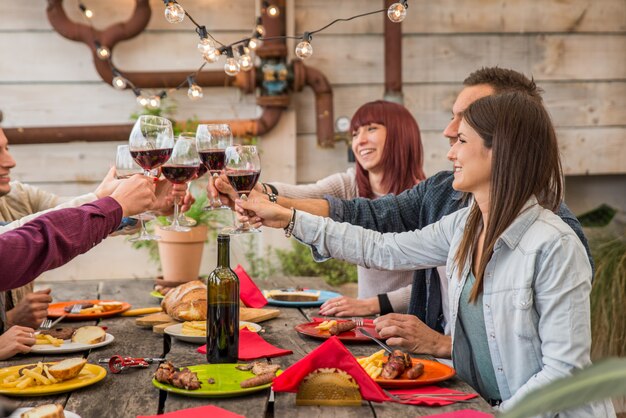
{"type": "Point", "coordinates": [131, 393]}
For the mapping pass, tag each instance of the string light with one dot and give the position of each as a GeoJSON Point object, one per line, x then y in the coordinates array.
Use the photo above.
{"type": "Point", "coordinates": [271, 9]}
{"type": "Point", "coordinates": [195, 91]}
{"type": "Point", "coordinates": [231, 67]}
{"type": "Point", "coordinates": [246, 63]}
{"type": "Point", "coordinates": [259, 29]}
{"type": "Point", "coordinates": [119, 82]}
{"type": "Point", "coordinates": [174, 12]}
{"type": "Point", "coordinates": [304, 49]}
{"type": "Point", "coordinates": [397, 11]}
{"type": "Point", "coordinates": [142, 100]}
{"type": "Point", "coordinates": [154, 102]}
{"type": "Point", "coordinates": [102, 51]}
{"type": "Point", "coordinates": [87, 12]}
{"type": "Point", "coordinates": [254, 43]}
{"type": "Point", "coordinates": [212, 56]}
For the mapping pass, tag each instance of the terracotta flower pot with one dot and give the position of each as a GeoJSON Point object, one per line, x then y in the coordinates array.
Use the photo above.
{"type": "Point", "coordinates": [181, 253]}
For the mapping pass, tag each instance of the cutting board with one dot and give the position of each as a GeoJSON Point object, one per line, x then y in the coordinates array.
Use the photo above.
{"type": "Point", "coordinates": [161, 320]}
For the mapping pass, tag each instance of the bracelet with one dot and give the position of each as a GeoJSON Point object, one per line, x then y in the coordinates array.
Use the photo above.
{"type": "Point", "coordinates": [272, 197]}
{"type": "Point", "coordinates": [264, 188]}
{"type": "Point", "coordinates": [291, 224]}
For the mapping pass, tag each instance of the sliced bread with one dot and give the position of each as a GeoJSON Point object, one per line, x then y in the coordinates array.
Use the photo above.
{"type": "Point", "coordinates": [89, 335]}
{"type": "Point", "coordinates": [67, 369]}
{"type": "Point", "coordinates": [111, 305]}
{"type": "Point", "coordinates": [44, 411]}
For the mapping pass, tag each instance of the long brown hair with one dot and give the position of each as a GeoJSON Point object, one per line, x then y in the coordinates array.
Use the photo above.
{"type": "Point", "coordinates": [403, 155]}
{"type": "Point", "coordinates": [525, 163]}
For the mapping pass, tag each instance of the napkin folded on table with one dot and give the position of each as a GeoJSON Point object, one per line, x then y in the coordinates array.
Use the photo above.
{"type": "Point", "coordinates": [253, 346]}
{"type": "Point", "coordinates": [435, 400]}
{"type": "Point", "coordinates": [331, 353]}
{"type": "Point", "coordinates": [200, 412]}
{"type": "Point", "coordinates": [249, 293]}
{"type": "Point", "coordinates": [464, 413]}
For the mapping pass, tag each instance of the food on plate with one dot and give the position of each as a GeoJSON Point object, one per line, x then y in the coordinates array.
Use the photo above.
{"type": "Point", "coordinates": [100, 307]}
{"type": "Point", "coordinates": [396, 364]}
{"type": "Point", "coordinates": [249, 327]}
{"type": "Point", "coordinates": [112, 305]}
{"type": "Point", "coordinates": [181, 378]}
{"type": "Point", "coordinates": [187, 302]}
{"type": "Point", "coordinates": [194, 328]}
{"type": "Point", "coordinates": [44, 411]}
{"type": "Point", "coordinates": [42, 339]}
{"type": "Point", "coordinates": [342, 326]}
{"type": "Point", "coordinates": [373, 364]}
{"type": "Point", "coordinates": [67, 369]}
{"type": "Point", "coordinates": [292, 295]}
{"type": "Point", "coordinates": [89, 335]}
{"type": "Point", "coordinates": [328, 386]}
{"type": "Point", "coordinates": [62, 333]}
{"type": "Point", "coordinates": [415, 371]}
{"type": "Point", "coordinates": [83, 305]}
{"type": "Point", "coordinates": [258, 380]}
{"type": "Point", "coordinates": [325, 326]}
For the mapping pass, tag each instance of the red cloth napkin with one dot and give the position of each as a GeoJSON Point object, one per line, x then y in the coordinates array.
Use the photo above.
{"type": "Point", "coordinates": [464, 413]}
{"type": "Point", "coordinates": [249, 293]}
{"type": "Point", "coordinates": [200, 412]}
{"type": "Point", "coordinates": [331, 353]}
{"type": "Point", "coordinates": [253, 346]}
{"type": "Point", "coordinates": [434, 401]}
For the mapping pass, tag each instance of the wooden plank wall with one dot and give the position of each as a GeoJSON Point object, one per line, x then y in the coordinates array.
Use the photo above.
{"type": "Point", "coordinates": [575, 49]}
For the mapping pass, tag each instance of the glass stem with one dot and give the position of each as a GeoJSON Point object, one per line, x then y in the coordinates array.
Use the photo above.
{"type": "Point", "coordinates": [244, 225]}
{"type": "Point", "coordinates": [144, 231]}
{"type": "Point", "coordinates": [176, 223]}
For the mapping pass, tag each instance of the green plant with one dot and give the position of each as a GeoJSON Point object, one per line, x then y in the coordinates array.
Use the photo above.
{"type": "Point", "coordinates": [261, 266]}
{"type": "Point", "coordinates": [298, 262]}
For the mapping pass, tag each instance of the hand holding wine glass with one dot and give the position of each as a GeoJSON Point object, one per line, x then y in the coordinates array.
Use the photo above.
{"type": "Point", "coordinates": [243, 168]}
{"type": "Point", "coordinates": [270, 214]}
{"type": "Point", "coordinates": [181, 168]}
{"type": "Point", "coordinates": [212, 141]}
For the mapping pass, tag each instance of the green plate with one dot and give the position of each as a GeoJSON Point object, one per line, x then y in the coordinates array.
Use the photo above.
{"type": "Point", "coordinates": [156, 294]}
{"type": "Point", "coordinates": [227, 379]}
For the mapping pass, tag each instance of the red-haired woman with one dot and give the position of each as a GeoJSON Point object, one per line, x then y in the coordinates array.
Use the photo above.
{"type": "Point", "coordinates": [388, 149]}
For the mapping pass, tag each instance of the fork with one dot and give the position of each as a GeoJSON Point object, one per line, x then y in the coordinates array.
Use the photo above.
{"type": "Point", "coordinates": [49, 324]}
{"type": "Point", "coordinates": [376, 340]}
{"type": "Point", "coordinates": [358, 321]}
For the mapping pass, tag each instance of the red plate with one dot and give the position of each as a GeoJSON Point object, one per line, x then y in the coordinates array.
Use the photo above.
{"type": "Point", "coordinates": [350, 336]}
{"type": "Point", "coordinates": [56, 310]}
{"type": "Point", "coordinates": [433, 372]}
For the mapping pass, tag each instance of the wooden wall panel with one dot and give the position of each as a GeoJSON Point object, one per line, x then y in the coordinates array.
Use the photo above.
{"type": "Point", "coordinates": [470, 16]}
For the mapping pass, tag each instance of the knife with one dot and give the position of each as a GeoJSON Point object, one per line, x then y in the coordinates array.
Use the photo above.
{"type": "Point", "coordinates": [376, 340]}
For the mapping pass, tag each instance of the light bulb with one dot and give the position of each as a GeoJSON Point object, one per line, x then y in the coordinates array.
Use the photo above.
{"type": "Point", "coordinates": [142, 100]}
{"type": "Point", "coordinates": [88, 13]}
{"type": "Point", "coordinates": [273, 10]}
{"type": "Point", "coordinates": [260, 29]}
{"type": "Point", "coordinates": [174, 12]}
{"type": "Point", "coordinates": [194, 92]}
{"type": "Point", "coordinates": [154, 102]}
{"type": "Point", "coordinates": [103, 53]}
{"type": "Point", "coordinates": [246, 63]}
{"type": "Point", "coordinates": [254, 43]}
{"type": "Point", "coordinates": [205, 46]}
{"type": "Point", "coordinates": [119, 82]}
{"type": "Point", "coordinates": [231, 67]}
{"type": "Point", "coordinates": [396, 12]}
{"type": "Point", "coordinates": [212, 56]}
{"type": "Point", "coordinates": [304, 50]}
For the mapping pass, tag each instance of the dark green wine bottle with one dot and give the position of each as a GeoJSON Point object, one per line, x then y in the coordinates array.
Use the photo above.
{"type": "Point", "coordinates": [222, 340]}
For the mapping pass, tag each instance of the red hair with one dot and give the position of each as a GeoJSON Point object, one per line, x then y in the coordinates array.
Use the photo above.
{"type": "Point", "coordinates": [403, 155]}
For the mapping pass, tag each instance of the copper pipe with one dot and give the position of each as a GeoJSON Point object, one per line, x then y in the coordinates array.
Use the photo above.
{"type": "Point", "coordinates": [274, 26]}
{"type": "Point", "coordinates": [393, 58]}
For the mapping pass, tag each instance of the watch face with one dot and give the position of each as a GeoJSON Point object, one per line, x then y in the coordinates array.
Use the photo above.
{"type": "Point", "coordinates": [342, 124]}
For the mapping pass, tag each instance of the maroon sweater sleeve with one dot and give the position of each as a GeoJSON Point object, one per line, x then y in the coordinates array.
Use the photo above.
{"type": "Point", "coordinates": [53, 239]}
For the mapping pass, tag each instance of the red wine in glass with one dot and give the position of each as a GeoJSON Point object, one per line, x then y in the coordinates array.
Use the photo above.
{"type": "Point", "coordinates": [243, 181]}
{"type": "Point", "coordinates": [179, 174]}
{"type": "Point", "coordinates": [214, 159]}
{"type": "Point", "coordinates": [151, 158]}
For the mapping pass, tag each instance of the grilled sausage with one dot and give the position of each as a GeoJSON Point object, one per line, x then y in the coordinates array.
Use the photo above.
{"type": "Point", "coordinates": [340, 327]}
{"type": "Point", "coordinates": [259, 380]}
{"type": "Point", "coordinates": [415, 372]}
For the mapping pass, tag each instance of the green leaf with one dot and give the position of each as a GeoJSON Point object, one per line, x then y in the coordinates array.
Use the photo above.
{"type": "Point", "coordinates": [605, 379]}
{"type": "Point", "coordinates": [598, 217]}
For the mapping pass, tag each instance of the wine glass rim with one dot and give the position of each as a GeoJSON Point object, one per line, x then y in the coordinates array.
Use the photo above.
{"type": "Point", "coordinates": [215, 125]}
{"type": "Point", "coordinates": [154, 120]}
{"type": "Point", "coordinates": [187, 135]}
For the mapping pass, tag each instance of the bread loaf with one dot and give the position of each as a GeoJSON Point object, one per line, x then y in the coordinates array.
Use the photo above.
{"type": "Point", "coordinates": [89, 335]}
{"type": "Point", "coordinates": [45, 411]}
{"type": "Point", "coordinates": [186, 302]}
{"type": "Point", "coordinates": [68, 368]}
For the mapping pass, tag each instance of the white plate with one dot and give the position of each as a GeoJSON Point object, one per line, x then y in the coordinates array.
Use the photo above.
{"type": "Point", "coordinates": [69, 347]}
{"type": "Point", "coordinates": [176, 331]}
{"type": "Point", "coordinates": [20, 411]}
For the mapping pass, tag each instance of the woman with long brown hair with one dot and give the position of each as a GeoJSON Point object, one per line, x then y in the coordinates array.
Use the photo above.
{"type": "Point", "coordinates": [518, 277]}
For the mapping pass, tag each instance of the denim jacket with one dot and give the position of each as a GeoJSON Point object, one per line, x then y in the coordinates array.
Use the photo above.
{"type": "Point", "coordinates": [535, 297]}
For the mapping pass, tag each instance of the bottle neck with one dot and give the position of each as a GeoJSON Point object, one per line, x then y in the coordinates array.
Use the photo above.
{"type": "Point", "coordinates": [223, 252]}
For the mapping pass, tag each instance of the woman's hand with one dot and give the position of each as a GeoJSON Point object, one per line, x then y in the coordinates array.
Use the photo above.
{"type": "Point", "coordinates": [31, 310]}
{"type": "Point", "coordinates": [408, 332]}
{"type": "Point", "coordinates": [345, 306]}
{"type": "Point", "coordinates": [16, 340]}
{"type": "Point", "coordinates": [270, 214]}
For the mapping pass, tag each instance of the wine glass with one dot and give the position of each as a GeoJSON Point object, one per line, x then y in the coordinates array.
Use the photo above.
{"type": "Point", "coordinates": [243, 168]}
{"type": "Point", "coordinates": [179, 169]}
{"type": "Point", "coordinates": [151, 141]}
{"type": "Point", "coordinates": [125, 166]}
{"type": "Point", "coordinates": [212, 140]}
